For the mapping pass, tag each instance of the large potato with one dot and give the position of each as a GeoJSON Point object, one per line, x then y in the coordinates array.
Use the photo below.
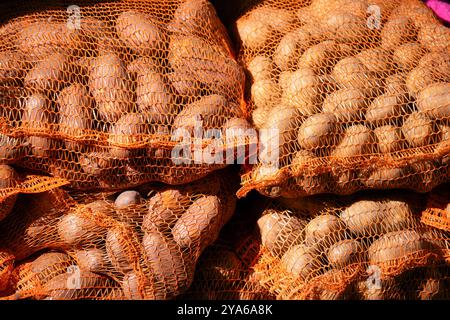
{"type": "Point", "coordinates": [260, 67]}
{"type": "Point", "coordinates": [385, 178]}
{"type": "Point", "coordinates": [345, 252]}
{"type": "Point", "coordinates": [301, 261]}
{"type": "Point", "coordinates": [324, 230]}
{"type": "Point", "coordinates": [347, 27]}
{"type": "Point", "coordinates": [110, 86]}
{"type": "Point", "coordinates": [318, 131]}
{"type": "Point", "coordinates": [121, 248]}
{"type": "Point", "coordinates": [322, 56]}
{"type": "Point", "coordinates": [92, 259]}
{"type": "Point", "coordinates": [371, 218]}
{"type": "Point", "coordinates": [265, 93]}
{"type": "Point", "coordinates": [397, 31]}
{"type": "Point", "coordinates": [199, 226]}
{"type": "Point", "coordinates": [346, 104]}
{"type": "Point", "coordinates": [385, 109]}
{"type": "Point", "coordinates": [185, 84]}
{"type": "Point", "coordinates": [290, 48]}
{"type": "Point", "coordinates": [434, 100]}
{"type": "Point", "coordinates": [421, 77]}
{"type": "Point", "coordinates": [357, 141]}
{"type": "Point", "coordinates": [74, 229]}
{"type": "Point", "coordinates": [418, 129]}
{"type": "Point", "coordinates": [435, 37]}
{"type": "Point", "coordinates": [407, 56]}
{"type": "Point", "coordinates": [140, 32]}
{"type": "Point", "coordinates": [389, 138]}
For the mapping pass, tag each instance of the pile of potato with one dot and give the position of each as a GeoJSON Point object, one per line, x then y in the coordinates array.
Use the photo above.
{"type": "Point", "coordinates": [139, 244]}
{"type": "Point", "coordinates": [103, 104]}
{"type": "Point", "coordinates": [356, 105]}
{"type": "Point", "coordinates": [364, 247]}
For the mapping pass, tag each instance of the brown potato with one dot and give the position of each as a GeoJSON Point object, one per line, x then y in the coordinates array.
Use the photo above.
{"type": "Point", "coordinates": [386, 178]}
{"type": "Point", "coordinates": [397, 31]}
{"type": "Point", "coordinates": [407, 56]}
{"type": "Point", "coordinates": [139, 287]}
{"type": "Point", "coordinates": [378, 60]}
{"type": "Point", "coordinates": [184, 84]}
{"type": "Point", "coordinates": [384, 109]}
{"type": "Point", "coordinates": [291, 46]}
{"type": "Point", "coordinates": [435, 37]}
{"type": "Point", "coordinates": [418, 129]}
{"type": "Point", "coordinates": [265, 93]}
{"type": "Point", "coordinates": [253, 32]}
{"type": "Point", "coordinates": [110, 87]}
{"type": "Point", "coordinates": [259, 116]}
{"type": "Point", "coordinates": [12, 66]}
{"type": "Point", "coordinates": [389, 138]}
{"type": "Point", "coordinates": [121, 248]}
{"type": "Point", "coordinates": [322, 56]}
{"type": "Point", "coordinates": [395, 85]}
{"type": "Point", "coordinates": [140, 32]}
{"type": "Point", "coordinates": [92, 259]}
{"type": "Point", "coordinates": [318, 131]}
{"type": "Point", "coordinates": [301, 261]}
{"type": "Point", "coordinates": [434, 100]}
{"type": "Point", "coordinates": [200, 224]}
{"type": "Point", "coordinates": [324, 230]}
{"type": "Point", "coordinates": [128, 130]}
{"type": "Point", "coordinates": [347, 27]}
{"type": "Point", "coordinates": [346, 104]}
{"type": "Point", "coordinates": [74, 229]}
{"type": "Point", "coordinates": [357, 141]}
{"type": "Point", "coordinates": [8, 179]}
{"type": "Point", "coordinates": [345, 252]}
{"type": "Point", "coordinates": [421, 77]}
{"type": "Point", "coordinates": [260, 67]}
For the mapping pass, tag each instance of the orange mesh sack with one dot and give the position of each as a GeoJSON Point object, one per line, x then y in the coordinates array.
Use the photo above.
{"type": "Point", "coordinates": [115, 94]}
{"type": "Point", "coordinates": [364, 247]}
{"type": "Point", "coordinates": [437, 213]}
{"type": "Point", "coordinates": [134, 245]}
{"type": "Point", "coordinates": [355, 94]}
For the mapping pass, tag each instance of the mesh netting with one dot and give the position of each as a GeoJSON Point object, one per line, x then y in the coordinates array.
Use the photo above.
{"type": "Point", "coordinates": [370, 246]}
{"type": "Point", "coordinates": [437, 213]}
{"type": "Point", "coordinates": [113, 94]}
{"type": "Point", "coordinates": [132, 245]}
{"type": "Point", "coordinates": [359, 92]}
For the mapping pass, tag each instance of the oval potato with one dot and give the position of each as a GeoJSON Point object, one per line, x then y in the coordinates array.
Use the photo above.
{"type": "Point", "coordinates": [434, 100]}
{"type": "Point", "coordinates": [418, 129]}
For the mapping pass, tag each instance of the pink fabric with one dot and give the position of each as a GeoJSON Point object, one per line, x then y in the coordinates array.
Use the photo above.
{"type": "Point", "coordinates": [441, 8]}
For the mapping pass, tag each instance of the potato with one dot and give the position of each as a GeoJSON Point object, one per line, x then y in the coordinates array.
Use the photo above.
{"type": "Point", "coordinates": [434, 100]}
{"type": "Point", "coordinates": [172, 273]}
{"type": "Point", "coordinates": [164, 209]}
{"type": "Point", "coordinates": [253, 32]}
{"type": "Point", "coordinates": [74, 229]}
{"type": "Point", "coordinates": [210, 64]}
{"type": "Point", "coordinates": [128, 198]}
{"type": "Point", "coordinates": [39, 39]}
{"type": "Point", "coordinates": [260, 68]}
{"type": "Point", "coordinates": [346, 104]}
{"type": "Point", "coordinates": [318, 131]}
{"type": "Point", "coordinates": [438, 62]}
{"type": "Point", "coordinates": [310, 183]}
{"type": "Point", "coordinates": [92, 259]}
{"type": "Point", "coordinates": [12, 66]}
{"type": "Point", "coordinates": [396, 245]}
{"type": "Point", "coordinates": [435, 37]}
{"type": "Point", "coordinates": [128, 130]}
{"type": "Point", "coordinates": [279, 20]}
{"type": "Point", "coordinates": [301, 261]}
{"type": "Point", "coordinates": [259, 116]}
{"type": "Point", "coordinates": [357, 141]}
{"type": "Point", "coordinates": [322, 56]}
{"type": "Point", "coordinates": [96, 163]}
{"type": "Point", "coordinates": [324, 230]}
{"type": "Point", "coordinates": [418, 129]}
{"type": "Point", "coordinates": [389, 138]}
{"type": "Point", "coordinates": [86, 285]}
{"type": "Point", "coordinates": [302, 91]}
{"type": "Point", "coordinates": [321, 8]}
{"type": "Point", "coordinates": [291, 46]}
{"type": "Point", "coordinates": [153, 94]}
{"type": "Point", "coordinates": [385, 178]}
{"type": "Point", "coordinates": [8, 179]}
{"type": "Point", "coordinates": [49, 75]}
{"type": "Point", "coordinates": [139, 287]}
{"type": "Point", "coordinates": [140, 32]}
{"type": "Point", "coordinates": [208, 112]}
{"type": "Point", "coordinates": [344, 253]}
{"type": "Point", "coordinates": [347, 27]}
{"type": "Point", "coordinates": [200, 224]}
{"type": "Point", "coordinates": [280, 230]}
{"type": "Point", "coordinates": [12, 149]}
{"type": "Point", "coordinates": [385, 109]}
{"type": "Point", "coordinates": [421, 77]}
{"type": "Point", "coordinates": [110, 87]}
{"type": "Point", "coordinates": [121, 248]}
{"type": "Point", "coordinates": [397, 31]}
{"type": "Point", "coordinates": [184, 84]}
{"type": "Point", "coordinates": [265, 93]}
{"type": "Point", "coordinates": [378, 60]}
{"type": "Point", "coordinates": [407, 55]}
{"type": "Point", "coordinates": [395, 85]}
{"type": "Point", "coordinates": [370, 218]}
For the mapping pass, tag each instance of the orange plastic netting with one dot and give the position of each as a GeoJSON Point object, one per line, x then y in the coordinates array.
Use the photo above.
{"type": "Point", "coordinates": [139, 244]}
{"type": "Point", "coordinates": [358, 91]}
{"type": "Point", "coordinates": [113, 94]}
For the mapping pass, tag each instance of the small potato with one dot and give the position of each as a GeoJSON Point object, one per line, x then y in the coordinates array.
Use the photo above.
{"type": "Point", "coordinates": [325, 230]}
{"type": "Point", "coordinates": [301, 261]}
{"type": "Point", "coordinates": [346, 104]}
{"type": "Point", "coordinates": [260, 68]}
{"type": "Point", "coordinates": [121, 248]}
{"type": "Point", "coordinates": [376, 60]}
{"type": "Point", "coordinates": [357, 141]}
{"type": "Point", "coordinates": [92, 259]}
{"type": "Point", "coordinates": [396, 32]}
{"type": "Point", "coordinates": [389, 138]}
{"type": "Point", "coordinates": [318, 131]}
{"type": "Point", "coordinates": [140, 32]}
{"type": "Point", "coordinates": [371, 218]}
{"type": "Point", "coordinates": [128, 130]}
{"type": "Point", "coordinates": [110, 87]}
{"type": "Point", "coordinates": [396, 245]}
{"type": "Point", "coordinates": [280, 230]}
{"type": "Point", "coordinates": [302, 91]}
{"type": "Point", "coordinates": [265, 93]}
{"type": "Point", "coordinates": [164, 257]}
{"type": "Point", "coordinates": [128, 198]}
{"type": "Point", "coordinates": [291, 46]}
{"type": "Point", "coordinates": [435, 37]}
{"type": "Point", "coordinates": [418, 129]}
{"type": "Point", "coordinates": [49, 75]}
{"type": "Point", "coordinates": [407, 56]}
{"type": "Point", "coordinates": [74, 229]}
{"type": "Point", "coordinates": [344, 253]}
{"type": "Point", "coordinates": [164, 209]}
{"type": "Point", "coordinates": [434, 100]}
{"type": "Point", "coordinates": [200, 224]}
{"type": "Point", "coordinates": [384, 109]}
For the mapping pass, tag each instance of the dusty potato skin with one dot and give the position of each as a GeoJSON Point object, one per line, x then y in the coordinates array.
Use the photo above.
{"type": "Point", "coordinates": [385, 109]}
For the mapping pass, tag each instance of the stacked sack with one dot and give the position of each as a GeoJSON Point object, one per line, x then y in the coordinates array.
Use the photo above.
{"type": "Point", "coordinates": [358, 92]}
